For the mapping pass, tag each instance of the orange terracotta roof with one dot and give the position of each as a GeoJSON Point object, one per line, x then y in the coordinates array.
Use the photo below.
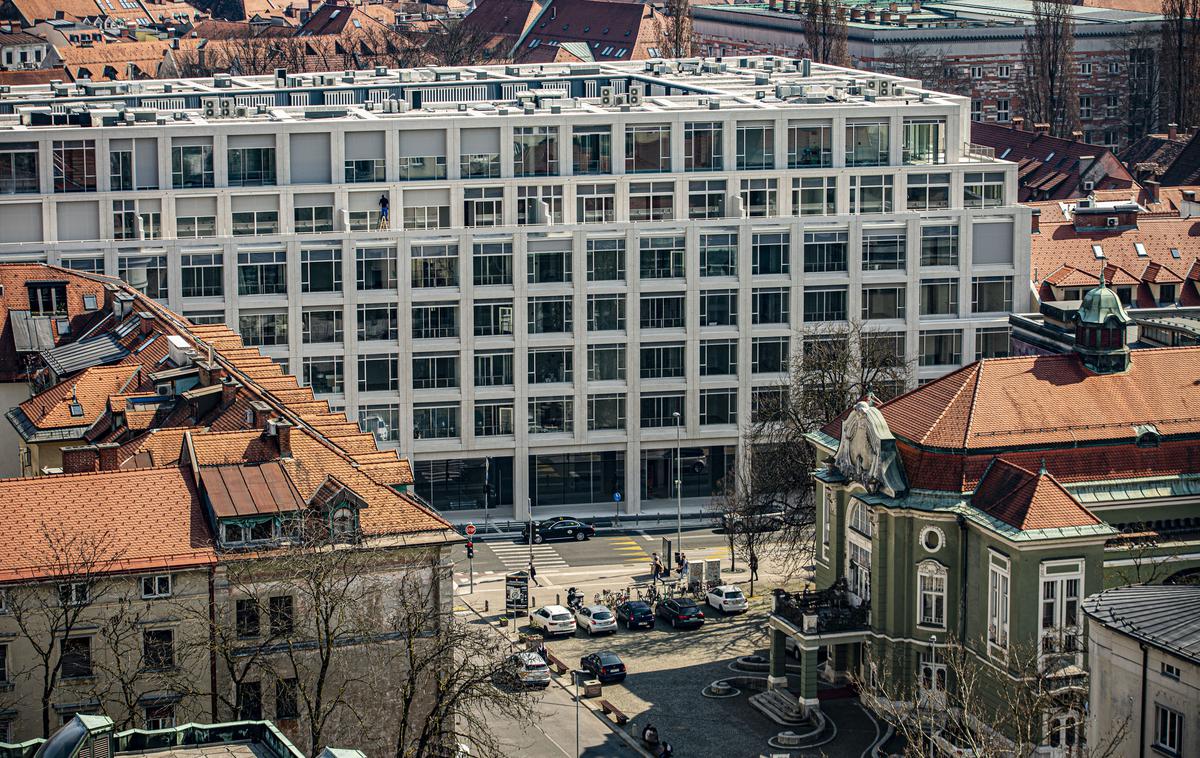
{"type": "Point", "coordinates": [113, 61]}
{"type": "Point", "coordinates": [91, 389]}
{"type": "Point", "coordinates": [1026, 500]}
{"type": "Point", "coordinates": [159, 447]}
{"type": "Point", "coordinates": [142, 520]}
{"type": "Point", "coordinates": [13, 278]}
{"type": "Point", "coordinates": [1040, 400]}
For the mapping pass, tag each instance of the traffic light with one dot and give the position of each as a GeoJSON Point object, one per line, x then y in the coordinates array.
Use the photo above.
{"type": "Point", "coordinates": [470, 549]}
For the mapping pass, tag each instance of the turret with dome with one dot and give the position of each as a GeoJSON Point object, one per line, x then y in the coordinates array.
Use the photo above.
{"type": "Point", "coordinates": [1101, 329]}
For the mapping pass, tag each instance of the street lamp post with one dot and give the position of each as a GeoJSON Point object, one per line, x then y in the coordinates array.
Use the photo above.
{"type": "Point", "coordinates": [678, 487]}
{"type": "Point", "coordinates": [575, 676]}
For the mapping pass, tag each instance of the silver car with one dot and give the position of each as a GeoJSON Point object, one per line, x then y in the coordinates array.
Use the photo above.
{"type": "Point", "coordinates": [596, 619]}
{"type": "Point", "coordinates": [530, 669]}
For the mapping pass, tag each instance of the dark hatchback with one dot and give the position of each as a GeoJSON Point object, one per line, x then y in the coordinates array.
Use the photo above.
{"type": "Point", "coordinates": [558, 528]}
{"type": "Point", "coordinates": [635, 614]}
{"type": "Point", "coordinates": [605, 666]}
{"type": "Point", "coordinates": [679, 612]}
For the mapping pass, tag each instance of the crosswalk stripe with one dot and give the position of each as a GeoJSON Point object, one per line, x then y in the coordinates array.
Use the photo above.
{"type": "Point", "coordinates": [517, 556]}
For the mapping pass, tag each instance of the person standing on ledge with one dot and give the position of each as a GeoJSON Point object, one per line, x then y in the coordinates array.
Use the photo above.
{"type": "Point", "coordinates": [384, 205]}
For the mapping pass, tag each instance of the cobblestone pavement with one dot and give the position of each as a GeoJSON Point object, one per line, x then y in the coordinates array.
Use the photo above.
{"type": "Point", "coordinates": [667, 671]}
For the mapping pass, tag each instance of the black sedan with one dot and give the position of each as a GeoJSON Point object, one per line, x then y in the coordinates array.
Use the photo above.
{"type": "Point", "coordinates": [679, 612]}
{"type": "Point", "coordinates": [635, 614]}
{"type": "Point", "coordinates": [558, 528]}
{"type": "Point", "coordinates": [605, 666]}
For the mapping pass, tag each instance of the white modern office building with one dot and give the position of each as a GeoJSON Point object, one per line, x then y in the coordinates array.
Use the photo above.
{"type": "Point", "coordinates": [574, 253]}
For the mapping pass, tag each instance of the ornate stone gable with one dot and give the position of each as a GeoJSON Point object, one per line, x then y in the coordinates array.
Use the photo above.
{"type": "Point", "coordinates": [867, 452]}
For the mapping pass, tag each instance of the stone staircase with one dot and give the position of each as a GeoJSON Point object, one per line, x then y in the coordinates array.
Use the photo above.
{"type": "Point", "coordinates": [780, 706]}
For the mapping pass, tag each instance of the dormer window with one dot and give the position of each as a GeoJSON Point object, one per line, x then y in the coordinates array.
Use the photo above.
{"type": "Point", "coordinates": [1146, 435]}
{"type": "Point", "coordinates": [343, 523]}
{"type": "Point", "coordinates": [48, 298]}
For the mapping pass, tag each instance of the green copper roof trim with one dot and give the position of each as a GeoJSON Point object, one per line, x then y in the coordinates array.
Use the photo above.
{"type": "Point", "coordinates": [1119, 490]}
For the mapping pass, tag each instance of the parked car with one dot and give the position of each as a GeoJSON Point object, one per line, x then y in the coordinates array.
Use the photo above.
{"type": "Point", "coordinates": [764, 522]}
{"type": "Point", "coordinates": [527, 669]}
{"type": "Point", "coordinates": [679, 612]}
{"type": "Point", "coordinates": [605, 666]}
{"type": "Point", "coordinates": [552, 619]}
{"type": "Point", "coordinates": [558, 528]}
{"type": "Point", "coordinates": [596, 619]}
{"type": "Point", "coordinates": [727, 599]}
{"type": "Point", "coordinates": [636, 613]}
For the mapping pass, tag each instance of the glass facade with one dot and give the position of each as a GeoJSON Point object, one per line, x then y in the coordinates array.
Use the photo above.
{"type": "Point", "coordinates": [576, 478]}
{"type": "Point", "coordinates": [703, 471]}
{"type": "Point", "coordinates": [460, 484]}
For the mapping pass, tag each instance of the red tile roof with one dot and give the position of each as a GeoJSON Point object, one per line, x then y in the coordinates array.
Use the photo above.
{"type": "Point", "coordinates": [609, 30]}
{"type": "Point", "coordinates": [1052, 168]}
{"type": "Point", "coordinates": [13, 278]}
{"type": "Point", "coordinates": [1185, 169]}
{"type": "Point", "coordinates": [1025, 500]}
{"type": "Point", "coordinates": [91, 390]}
{"type": "Point", "coordinates": [142, 520]}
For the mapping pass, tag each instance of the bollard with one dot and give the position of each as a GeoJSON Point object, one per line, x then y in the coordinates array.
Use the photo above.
{"type": "Point", "coordinates": [485, 606]}
{"type": "Point", "coordinates": [557, 599]}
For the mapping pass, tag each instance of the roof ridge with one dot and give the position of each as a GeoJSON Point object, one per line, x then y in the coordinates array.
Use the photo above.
{"type": "Point", "coordinates": [105, 472]}
{"type": "Point", "coordinates": [973, 368]}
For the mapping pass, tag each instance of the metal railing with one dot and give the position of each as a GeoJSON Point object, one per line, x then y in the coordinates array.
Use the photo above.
{"type": "Point", "coordinates": [823, 611]}
{"type": "Point", "coordinates": [982, 152]}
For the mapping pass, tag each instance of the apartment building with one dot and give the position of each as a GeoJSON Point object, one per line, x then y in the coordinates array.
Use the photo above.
{"type": "Point", "coordinates": [572, 254]}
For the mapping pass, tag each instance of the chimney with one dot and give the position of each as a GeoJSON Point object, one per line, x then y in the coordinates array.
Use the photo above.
{"type": "Point", "coordinates": [229, 390]}
{"type": "Point", "coordinates": [259, 413]}
{"type": "Point", "coordinates": [903, 21]}
{"type": "Point", "coordinates": [1041, 128]}
{"type": "Point", "coordinates": [1018, 123]}
{"type": "Point", "coordinates": [856, 14]}
{"type": "Point", "coordinates": [1077, 135]}
{"type": "Point", "coordinates": [1151, 188]}
{"type": "Point", "coordinates": [916, 5]}
{"type": "Point", "coordinates": [885, 17]}
{"type": "Point", "coordinates": [1188, 207]}
{"type": "Point", "coordinates": [870, 15]}
{"type": "Point", "coordinates": [1172, 132]}
{"type": "Point", "coordinates": [281, 429]}
{"type": "Point", "coordinates": [1035, 221]}
{"type": "Point", "coordinates": [108, 456]}
{"type": "Point", "coordinates": [79, 460]}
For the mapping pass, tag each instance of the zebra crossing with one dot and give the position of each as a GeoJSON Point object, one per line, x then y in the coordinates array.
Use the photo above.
{"type": "Point", "coordinates": [515, 556]}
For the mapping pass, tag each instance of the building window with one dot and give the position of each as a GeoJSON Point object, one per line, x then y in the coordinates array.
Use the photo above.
{"type": "Point", "coordinates": [718, 406]}
{"type": "Point", "coordinates": [662, 361]}
{"type": "Point", "coordinates": [191, 166]}
{"type": "Point", "coordinates": [249, 701]}
{"type": "Point", "coordinates": [1059, 617]}
{"type": "Point", "coordinates": [770, 305]}
{"type": "Point", "coordinates": [435, 265]}
{"type": "Point", "coordinates": [591, 149]}
{"type": "Point", "coordinates": [928, 192]}
{"type": "Point", "coordinates": [718, 254]}
{"type": "Point", "coordinates": [595, 203]}
{"type": "Point", "coordinates": [259, 329]}
{"type": "Point", "coordinates": [493, 318]}
{"type": "Point", "coordinates": [1170, 671]}
{"type": "Point", "coordinates": [550, 314]}
{"type": "Point", "coordinates": [718, 357]}
{"type": "Point", "coordinates": [321, 270]}
{"type": "Point", "coordinates": [924, 141]}
{"type": "Point", "coordinates": [1112, 108]}
{"type": "Point", "coordinates": [378, 373]}
{"type": "Point", "coordinates": [1003, 109]}
{"type": "Point", "coordinates": [606, 313]}
{"type": "Point", "coordinates": [706, 199]}
{"type": "Point", "coordinates": [493, 418]}
{"type": "Point", "coordinates": [435, 421]}
{"type": "Point", "coordinates": [483, 206]}
{"type": "Point", "coordinates": [983, 189]}
{"type": "Point", "coordinates": [159, 716]}
{"type": "Point", "coordinates": [769, 355]}
{"type": "Point", "coordinates": [156, 586]}
{"type": "Point", "coordinates": [418, 168]}
{"type": "Point", "coordinates": [439, 371]}
{"type": "Point", "coordinates": [991, 294]}
{"type": "Point", "coordinates": [867, 143]}
{"type": "Point", "coordinates": [321, 326]}
{"type": "Point", "coordinates": [323, 374]}
{"type": "Point", "coordinates": [651, 201]}
{"type": "Point", "coordinates": [145, 273]}
{"type": "Point", "coordinates": [158, 648]}
{"type": "Point", "coordinates": [551, 365]}
{"type": "Point", "coordinates": [883, 251]}
{"type": "Point", "coordinates": [535, 151]}
{"type": "Point", "coordinates": [977, 110]}
{"type": "Point", "coordinates": [941, 347]}
{"type": "Point", "coordinates": [203, 274]}
{"type": "Point", "coordinates": [939, 246]}
{"type": "Point", "coordinates": [809, 145]}
{"type": "Point", "coordinates": [998, 603]}
{"type": "Point", "coordinates": [280, 615]}
{"type": "Point", "coordinates": [660, 409]}
{"type": "Point", "coordinates": [1085, 69]}
{"type": "Point", "coordinates": [871, 194]}
{"type": "Point", "coordinates": [376, 268]}
{"type": "Point", "coordinates": [662, 312]}
{"type": "Point", "coordinates": [551, 415]}
{"type": "Point", "coordinates": [551, 266]}
{"type": "Point", "coordinates": [976, 72]}
{"type": "Point", "coordinates": [18, 168]}
{"type": "Point", "coordinates": [932, 670]}
{"type": "Point", "coordinates": [606, 363]}
{"type": "Point", "coordinates": [540, 204]}
{"type": "Point", "coordinates": [647, 148]}
{"type": "Point", "coordinates": [883, 302]}
{"type": "Point", "coordinates": [825, 252]}
{"type": "Point", "coordinates": [755, 146]}
{"type": "Point", "coordinates": [768, 404]}
{"type": "Point", "coordinates": [314, 219]}
{"type": "Point", "coordinates": [74, 165]}
{"type": "Point", "coordinates": [417, 217]}
{"type": "Point", "coordinates": [814, 196]}
{"type": "Point", "coordinates": [1168, 730]}
{"type": "Point", "coordinates": [365, 170]}
{"type": "Point", "coordinates": [992, 343]}
{"type": "Point", "coordinates": [606, 411]}
{"type": "Point", "coordinates": [1004, 72]}
{"type": "Point", "coordinates": [434, 320]}
{"type": "Point", "coordinates": [287, 700]}
{"type": "Point", "coordinates": [769, 253]}
{"type": "Point", "coordinates": [703, 146]}
{"type": "Point", "coordinates": [262, 273]}
{"type": "Point", "coordinates": [760, 197]}
{"type": "Point", "coordinates": [381, 421]}
{"type": "Point", "coordinates": [251, 166]}
{"type": "Point", "coordinates": [939, 297]}
{"type": "Point", "coordinates": [76, 658]}
{"type": "Point", "coordinates": [254, 223]}
{"type": "Point", "coordinates": [931, 594]}
{"type": "Point", "coordinates": [1085, 106]}
{"type": "Point", "coordinates": [718, 308]}
{"type": "Point", "coordinates": [128, 224]}
{"type": "Point", "coordinates": [195, 226]}
{"type": "Point", "coordinates": [494, 369]}
{"type": "Point", "coordinates": [606, 260]}
{"type": "Point", "coordinates": [491, 263]}
{"type": "Point", "coordinates": [662, 257]}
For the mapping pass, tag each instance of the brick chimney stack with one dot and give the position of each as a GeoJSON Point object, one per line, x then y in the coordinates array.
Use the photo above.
{"type": "Point", "coordinates": [229, 390]}
{"type": "Point", "coordinates": [260, 413]}
{"type": "Point", "coordinates": [283, 436]}
{"type": "Point", "coordinates": [81, 459]}
{"type": "Point", "coordinates": [1041, 128]}
{"type": "Point", "coordinates": [1151, 190]}
{"type": "Point", "coordinates": [108, 456]}
{"type": "Point", "coordinates": [1018, 123]}
{"type": "Point", "coordinates": [1035, 222]}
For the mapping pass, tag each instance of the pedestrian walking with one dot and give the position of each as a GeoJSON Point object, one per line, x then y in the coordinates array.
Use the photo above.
{"type": "Point", "coordinates": [683, 571]}
{"type": "Point", "coordinates": [655, 567]}
{"type": "Point", "coordinates": [533, 574]}
{"type": "Point", "coordinates": [753, 567]}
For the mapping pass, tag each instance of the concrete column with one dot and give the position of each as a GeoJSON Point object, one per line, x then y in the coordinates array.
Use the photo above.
{"type": "Point", "coordinates": [808, 682]}
{"type": "Point", "coordinates": [777, 678]}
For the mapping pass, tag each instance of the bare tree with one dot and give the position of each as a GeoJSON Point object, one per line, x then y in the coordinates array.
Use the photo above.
{"type": "Point", "coordinates": [1181, 61]}
{"type": "Point", "coordinates": [48, 613]}
{"type": "Point", "coordinates": [961, 700]}
{"type": "Point", "coordinates": [454, 43]}
{"type": "Point", "coordinates": [825, 32]}
{"type": "Point", "coordinates": [675, 23]}
{"type": "Point", "coordinates": [915, 60]}
{"type": "Point", "coordinates": [1140, 97]}
{"type": "Point", "coordinates": [1048, 87]}
{"type": "Point", "coordinates": [839, 365]}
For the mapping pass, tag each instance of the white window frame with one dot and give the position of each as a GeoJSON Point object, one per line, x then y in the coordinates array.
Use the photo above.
{"type": "Point", "coordinates": [859, 533]}
{"type": "Point", "coordinates": [1168, 730]}
{"type": "Point", "coordinates": [77, 593]}
{"type": "Point", "coordinates": [999, 603]}
{"type": "Point", "coordinates": [1053, 588]}
{"type": "Point", "coordinates": [934, 662]}
{"type": "Point", "coordinates": [156, 582]}
{"type": "Point", "coordinates": [933, 573]}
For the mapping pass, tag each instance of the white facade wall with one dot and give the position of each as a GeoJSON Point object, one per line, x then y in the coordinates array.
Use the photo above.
{"type": "Point", "coordinates": [69, 227]}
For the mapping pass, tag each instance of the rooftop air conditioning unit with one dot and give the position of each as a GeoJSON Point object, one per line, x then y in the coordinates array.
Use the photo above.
{"type": "Point", "coordinates": [211, 106]}
{"type": "Point", "coordinates": [1110, 221]}
{"type": "Point", "coordinates": [635, 94]}
{"type": "Point", "coordinates": [607, 97]}
{"type": "Point", "coordinates": [1089, 186]}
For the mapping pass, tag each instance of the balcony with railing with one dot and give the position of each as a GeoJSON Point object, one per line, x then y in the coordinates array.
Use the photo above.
{"type": "Point", "coordinates": [835, 610]}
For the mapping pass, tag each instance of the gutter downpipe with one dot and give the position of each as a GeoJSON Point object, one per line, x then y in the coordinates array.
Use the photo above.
{"type": "Point", "coordinates": [962, 592]}
{"type": "Point", "coordinates": [1142, 715]}
{"type": "Point", "coordinates": [212, 640]}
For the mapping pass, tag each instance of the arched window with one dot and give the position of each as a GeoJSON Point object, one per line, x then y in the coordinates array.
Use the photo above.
{"type": "Point", "coordinates": [860, 519]}
{"type": "Point", "coordinates": [342, 523]}
{"type": "Point", "coordinates": [931, 594]}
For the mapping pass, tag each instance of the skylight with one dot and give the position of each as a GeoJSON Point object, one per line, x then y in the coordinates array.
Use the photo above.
{"type": "Point", "coordinates": [1140, 249]}
{"type": "Point", "coordinates": [1097, 251]}
{"type": "Point", "coordinates": [1175, 253]}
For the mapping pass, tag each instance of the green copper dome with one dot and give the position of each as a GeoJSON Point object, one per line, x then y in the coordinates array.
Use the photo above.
{"type": "Point", "coordinates": [1100, 304]}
